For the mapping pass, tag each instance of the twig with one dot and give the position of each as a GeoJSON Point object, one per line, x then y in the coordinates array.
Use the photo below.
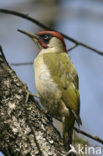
{"type": "Point", "coordinates": [30, 63]}
{"type": "Point", "coordinates": [72, 47]}
{"type": "Point", "coordinates": [96, 138]}
{"type": "Point", "coordinates": [25, 16]}
{"type": "Point", "coordinates": [21, 64]}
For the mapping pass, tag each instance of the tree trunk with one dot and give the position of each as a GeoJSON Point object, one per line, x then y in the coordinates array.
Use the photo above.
{"type": "Point", "coordinates": [24, 128]}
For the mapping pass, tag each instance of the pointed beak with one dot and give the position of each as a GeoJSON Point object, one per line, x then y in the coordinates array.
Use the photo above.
{"type": "Point", "coordinates": [32, 36]}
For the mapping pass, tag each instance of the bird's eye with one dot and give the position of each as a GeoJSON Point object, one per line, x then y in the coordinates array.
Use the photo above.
{"type": "Point", "coordinates": [46, 37]}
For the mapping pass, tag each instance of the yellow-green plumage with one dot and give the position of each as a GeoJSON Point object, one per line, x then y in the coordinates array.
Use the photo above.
{"type": "Point", "coordinates": [64, 74]}
{"type": "Point", "coordinates": [62, 103]}
{"type": "Point", "coordinates": [56, 80]}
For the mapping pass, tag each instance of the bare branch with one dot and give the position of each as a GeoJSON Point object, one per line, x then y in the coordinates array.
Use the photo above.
{"type": "Point", "coordinates": [70, 49]}
{"type": "Point", "coordinates": [21, 64]}
{"type": "Point", "coordinates": [96, 138]}
{"type": "Point", "coordinates": [25, 16]}
{"type": "Point", "coordinates": [30, 63]}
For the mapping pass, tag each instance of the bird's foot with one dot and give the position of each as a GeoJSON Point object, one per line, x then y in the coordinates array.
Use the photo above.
{"type": "Point", "coordinates": [28, 93]}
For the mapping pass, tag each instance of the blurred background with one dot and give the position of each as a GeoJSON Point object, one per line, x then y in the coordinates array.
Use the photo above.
{"type": "Point", "coordinates": [80, 19]}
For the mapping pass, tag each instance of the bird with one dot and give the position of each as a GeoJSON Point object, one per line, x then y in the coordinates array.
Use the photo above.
{"type": "Point", "coordinates": [56, 80]}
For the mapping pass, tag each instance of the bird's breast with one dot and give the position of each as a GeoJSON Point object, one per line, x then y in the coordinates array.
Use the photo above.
{"type": "Point", "coordinates": [44, 82]}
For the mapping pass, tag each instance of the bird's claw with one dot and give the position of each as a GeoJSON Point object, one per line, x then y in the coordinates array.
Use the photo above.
{"type": "Point", "coordinates": [28, 93]}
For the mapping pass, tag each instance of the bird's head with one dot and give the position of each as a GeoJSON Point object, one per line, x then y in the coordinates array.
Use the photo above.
{"type": "Point", "coordinates": [48, 40]}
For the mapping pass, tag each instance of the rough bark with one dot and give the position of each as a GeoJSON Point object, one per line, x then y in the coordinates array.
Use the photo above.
{"type": "Point", "coordinates": [24, 128]}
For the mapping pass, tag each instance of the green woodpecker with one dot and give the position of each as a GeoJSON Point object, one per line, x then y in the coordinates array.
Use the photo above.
{"type": "Point", "coordinates": [56, 80]}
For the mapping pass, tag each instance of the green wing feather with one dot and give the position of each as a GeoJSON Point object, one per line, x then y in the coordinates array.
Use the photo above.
{"type": "Point", "coordinates": [64, 74]}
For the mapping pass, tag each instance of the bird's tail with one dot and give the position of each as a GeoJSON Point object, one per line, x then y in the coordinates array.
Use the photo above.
{"type": "Point", "coordinates": [68, 124]}
{"type": "Point", "coordinates": [68, 143]}
{"type": "Point", "coordinates": [70, 133]}
{"type": "Point", "coordinates": [67, 137]}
